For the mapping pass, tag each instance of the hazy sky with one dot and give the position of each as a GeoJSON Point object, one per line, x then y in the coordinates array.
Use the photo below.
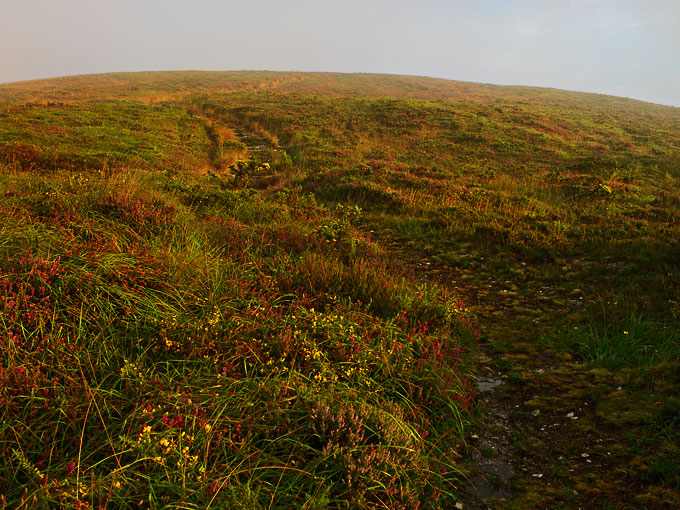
{"type": "Point", "coordinates": [622, 47]}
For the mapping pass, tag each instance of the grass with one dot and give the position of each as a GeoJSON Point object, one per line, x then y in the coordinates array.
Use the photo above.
{"type": "Point", "coordinates": [244, 289]}
{"type": "Point", "coordinates": [631, 342]}
{"type": "Point", "coordinates": [105, 134]}
{"type": "Point", "coordinates": [164, 354]}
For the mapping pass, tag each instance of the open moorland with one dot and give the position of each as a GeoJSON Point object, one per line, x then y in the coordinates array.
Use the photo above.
{"type": "Point", "coordinates": [300, 290]}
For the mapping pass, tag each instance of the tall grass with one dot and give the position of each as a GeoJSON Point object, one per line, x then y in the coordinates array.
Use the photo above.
{"type": "Point", "coordinates": [172, 355]}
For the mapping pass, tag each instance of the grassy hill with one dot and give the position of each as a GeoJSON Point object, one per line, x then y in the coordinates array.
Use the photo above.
{"type": "Point", "coordinates": [258, 289]}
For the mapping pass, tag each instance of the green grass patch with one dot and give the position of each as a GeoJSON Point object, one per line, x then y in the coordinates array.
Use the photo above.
{"type": "Point", "coordinates": [633, 342]}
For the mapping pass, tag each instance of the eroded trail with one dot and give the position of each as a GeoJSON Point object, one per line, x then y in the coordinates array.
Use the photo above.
{"type": "Point", "coordinates": [546, 436]}
{"type": "Point", "coordinates": [233, 137]}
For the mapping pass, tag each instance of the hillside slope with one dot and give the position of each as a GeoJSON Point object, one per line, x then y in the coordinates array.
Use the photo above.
{"type": "Point", "coordinates": [298, 315]}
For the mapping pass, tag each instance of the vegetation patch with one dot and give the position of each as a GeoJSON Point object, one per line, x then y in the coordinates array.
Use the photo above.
{"type": "Point", "coordinates": [276, 290]}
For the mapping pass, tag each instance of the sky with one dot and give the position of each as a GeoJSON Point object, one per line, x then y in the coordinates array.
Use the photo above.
{"type": "Point", "coordinates": [628, 48]}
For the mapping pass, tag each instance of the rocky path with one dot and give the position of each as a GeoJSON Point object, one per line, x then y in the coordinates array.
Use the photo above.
{"type": "Point", "coordinates": [545, 438]}
{"type": "Point", "coordinates": [258, 146]}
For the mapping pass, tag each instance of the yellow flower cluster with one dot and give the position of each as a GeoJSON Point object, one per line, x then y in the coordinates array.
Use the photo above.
{"type": "Point", "coordinates": [145, 436]}
{"type": "Point", "coordinates": [332, 323]}
{"type": "Point", "coordinates": [78, 179]}
{"type": "Point", "coordinates": [174, 449]}
{"type": "Point", "coordinates": [215, 317]}
{"type": "Point", "coordinates": [131, 370]}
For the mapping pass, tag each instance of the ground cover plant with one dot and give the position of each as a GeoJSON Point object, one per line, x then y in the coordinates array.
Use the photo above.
{"type": "Point", "coordinates": [105, 134]}
{"type": "Point", "coordinates": [263, 290]}
{"type": "Point", "coordinates": [173, 343]}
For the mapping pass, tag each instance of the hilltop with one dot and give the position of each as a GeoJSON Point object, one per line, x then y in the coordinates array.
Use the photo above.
{"type": "Point", "coordinates": [324, 290]}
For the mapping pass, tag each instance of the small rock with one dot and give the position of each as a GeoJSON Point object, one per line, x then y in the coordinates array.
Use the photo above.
{"type": "Point", "coordinates": [459, 505]}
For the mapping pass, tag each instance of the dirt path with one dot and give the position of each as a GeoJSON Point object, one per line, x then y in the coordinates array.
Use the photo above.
{"type": "Point", "coordinates": [544, 438]}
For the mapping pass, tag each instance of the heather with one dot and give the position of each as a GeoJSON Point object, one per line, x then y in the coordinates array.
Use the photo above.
{"type": "Point", "coordinates": [172, 342]}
